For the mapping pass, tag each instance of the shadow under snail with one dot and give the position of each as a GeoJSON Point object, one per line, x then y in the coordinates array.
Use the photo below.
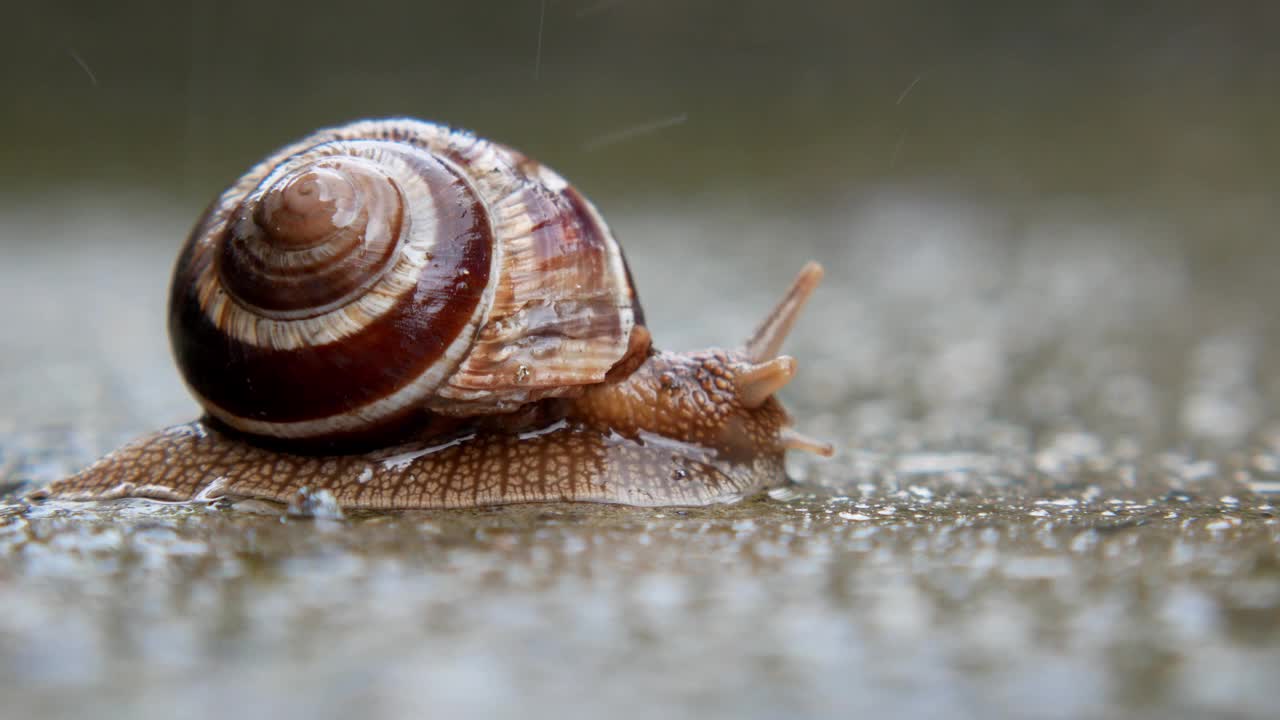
{"type": "Point", "coordinates": [407, 316]}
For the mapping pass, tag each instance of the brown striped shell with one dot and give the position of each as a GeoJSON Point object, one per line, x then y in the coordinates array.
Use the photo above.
{"type": "Point", "coordinates": [371, 273]}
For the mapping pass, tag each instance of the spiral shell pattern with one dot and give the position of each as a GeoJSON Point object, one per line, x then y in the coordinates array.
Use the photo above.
{"type": "Point", "coordinates": [374, 272]}
{"type": "Point", "coordinates": [315, 240]}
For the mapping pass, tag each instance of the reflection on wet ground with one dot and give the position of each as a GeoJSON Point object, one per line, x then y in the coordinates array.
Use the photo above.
{"type": "Point", "coordinates": [904, 603]}
{"type": "Point", "coordinates": [1054, 496]}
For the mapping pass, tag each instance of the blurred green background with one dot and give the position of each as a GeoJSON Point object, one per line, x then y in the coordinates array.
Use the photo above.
{"type": "Point", "coordinates": [1155, 100]}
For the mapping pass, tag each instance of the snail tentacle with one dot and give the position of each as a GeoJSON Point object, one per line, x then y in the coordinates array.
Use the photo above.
{"type": "Point", "coordinates": [767, 340]}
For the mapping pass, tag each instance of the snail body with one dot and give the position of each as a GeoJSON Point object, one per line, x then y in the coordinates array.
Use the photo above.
{"type": "Point", "coordinates": [407, 316]}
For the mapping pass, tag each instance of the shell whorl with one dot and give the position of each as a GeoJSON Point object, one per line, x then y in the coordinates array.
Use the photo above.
{"type": "Point", "coordinates": [372, 272]}
{"type": "Point", "coordinates": [314, 240]}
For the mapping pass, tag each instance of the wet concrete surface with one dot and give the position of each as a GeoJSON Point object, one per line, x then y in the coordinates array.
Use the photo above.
{"type": "Point", "coordinates": [1059, 453]}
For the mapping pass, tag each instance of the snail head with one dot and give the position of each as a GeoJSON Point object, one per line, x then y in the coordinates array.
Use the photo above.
{"type": "Point", "coordinates": [723, 400]}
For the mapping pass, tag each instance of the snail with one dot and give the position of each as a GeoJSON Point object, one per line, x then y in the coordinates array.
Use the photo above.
{"type": "Point", "coordinates": [404, 315]}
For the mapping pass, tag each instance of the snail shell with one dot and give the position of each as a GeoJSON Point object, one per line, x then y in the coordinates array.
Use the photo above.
{"type": "Point", "coordinates": [367, 273]}
{"type": "Point", "coordinates": [401, 315]}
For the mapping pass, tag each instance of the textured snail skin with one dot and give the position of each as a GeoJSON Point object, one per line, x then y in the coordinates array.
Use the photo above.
{"type": "Point", "coordinates": [458, 330]}
{"type": "Point", "coordinates": [672, 433]}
